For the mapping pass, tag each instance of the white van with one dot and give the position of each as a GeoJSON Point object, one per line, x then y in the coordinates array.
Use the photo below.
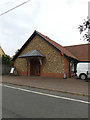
{"type": "Point", "coordinates": [83, 70]}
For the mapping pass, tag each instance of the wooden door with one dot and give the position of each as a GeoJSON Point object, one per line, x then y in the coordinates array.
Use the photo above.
{"type": "Point", "coordinates": [34, 67]}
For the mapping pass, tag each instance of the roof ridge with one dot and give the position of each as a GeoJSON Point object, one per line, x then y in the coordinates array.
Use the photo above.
{"type": "Point", "coordinates": [76, 45]}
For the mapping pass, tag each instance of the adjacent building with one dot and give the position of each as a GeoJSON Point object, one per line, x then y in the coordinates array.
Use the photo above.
{"type": "Point", "coordinates": [1, 52]}
{"type": "Point", "coordinates": [44, 57]}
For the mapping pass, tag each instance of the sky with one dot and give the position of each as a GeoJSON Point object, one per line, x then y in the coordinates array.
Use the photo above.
{"type": "Point", "coordinates": [57, 19]}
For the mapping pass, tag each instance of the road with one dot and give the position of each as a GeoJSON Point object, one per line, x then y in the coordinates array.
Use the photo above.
{"type": "Point", "coordinates": [19, 102]}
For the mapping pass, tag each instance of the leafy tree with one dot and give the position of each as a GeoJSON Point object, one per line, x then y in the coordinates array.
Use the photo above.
{"type": "Point", "coordinates": [84, 27]}
{"type": "Point", "coordinates": [6, 60]}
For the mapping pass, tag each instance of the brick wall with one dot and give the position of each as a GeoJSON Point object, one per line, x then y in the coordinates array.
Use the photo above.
{"type": "Point", "coordinates": [54, 64]}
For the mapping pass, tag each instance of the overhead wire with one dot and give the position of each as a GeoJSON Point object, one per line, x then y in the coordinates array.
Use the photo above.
{"type": "Point", "coordinates": [14, 7]}
{"type": "Point", "coordinates": [4, 3]}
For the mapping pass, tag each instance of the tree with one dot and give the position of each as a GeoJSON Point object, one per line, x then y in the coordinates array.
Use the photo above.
{"type": "Point", "coordinates": [85, 27]}
{"type": "Point", "coordinates": [6, 60]}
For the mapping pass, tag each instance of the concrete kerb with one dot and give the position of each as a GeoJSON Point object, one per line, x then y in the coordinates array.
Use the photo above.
{"type": "Point", "coordinates": [50, 89]}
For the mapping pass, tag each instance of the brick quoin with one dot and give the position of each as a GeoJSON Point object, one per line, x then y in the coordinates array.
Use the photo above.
{"type": "Point", "coordinates": [66, 66]}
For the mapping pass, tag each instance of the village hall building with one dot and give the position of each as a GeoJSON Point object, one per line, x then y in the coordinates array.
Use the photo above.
{"type": "Point", "coordinates": [41, 56]}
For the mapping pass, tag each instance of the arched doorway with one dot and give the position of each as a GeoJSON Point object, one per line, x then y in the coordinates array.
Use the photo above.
{"type": "Point", "coordinates": [35, 67]}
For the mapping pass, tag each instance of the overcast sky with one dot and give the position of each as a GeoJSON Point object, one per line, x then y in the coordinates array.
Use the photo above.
{"type": "Point", "coordinates": [57, 19]}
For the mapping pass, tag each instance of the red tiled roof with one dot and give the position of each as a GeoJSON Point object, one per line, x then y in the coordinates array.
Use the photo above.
{"type": "Point", "coordinates": [61, 48]}
{"type": "Point", "coordinates": [78, 52]}
{"type": "Point", "coordinates": [82, 52]}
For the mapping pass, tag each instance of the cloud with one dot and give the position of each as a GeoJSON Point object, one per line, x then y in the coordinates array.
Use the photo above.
{"type": "Point", "coordinates": [58, 19]}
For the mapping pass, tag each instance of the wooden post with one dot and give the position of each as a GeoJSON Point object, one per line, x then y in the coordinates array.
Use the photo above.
{"type": "Point", "coordinates": [27, 65]}
{"type": "Point", "coordinates": [69, 68]}
{"type": "Point", "coordinates": [29, 69]}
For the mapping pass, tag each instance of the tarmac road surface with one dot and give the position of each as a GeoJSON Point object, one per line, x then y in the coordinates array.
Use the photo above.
{"type": "Point", "coordinates": [19, 102]}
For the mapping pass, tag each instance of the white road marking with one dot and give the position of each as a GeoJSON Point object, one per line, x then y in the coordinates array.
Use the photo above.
{"type": "Point", "coordinates": [45, 94]}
